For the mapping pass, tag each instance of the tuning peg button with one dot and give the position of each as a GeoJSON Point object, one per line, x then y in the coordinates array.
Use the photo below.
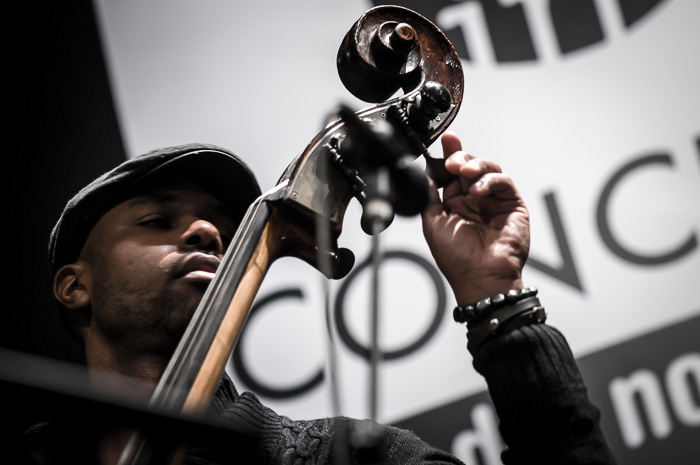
{"type": "Point", "coordinates": [433, 99]}
{"type": "Point", "coordinates": [403, 37]}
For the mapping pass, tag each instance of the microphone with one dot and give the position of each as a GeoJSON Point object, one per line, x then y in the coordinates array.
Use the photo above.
{"type": "Point", "coordinates": [393, 183]}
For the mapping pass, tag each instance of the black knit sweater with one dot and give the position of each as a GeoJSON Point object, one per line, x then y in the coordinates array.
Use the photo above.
{"type": "Point", "coordinates": [544, 411]}
{"type": "Point", "coordinates": [545, 414]}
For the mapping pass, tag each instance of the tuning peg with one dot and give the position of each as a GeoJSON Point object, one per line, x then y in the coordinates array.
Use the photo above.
{"type": "Point", "coordinates": [433, 99]}
{"type": "Point", "coordinates": [342, 261]}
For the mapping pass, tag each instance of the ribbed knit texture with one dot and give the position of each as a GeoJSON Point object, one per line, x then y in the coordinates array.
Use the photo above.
{"type": "Point", "coordinates": [282, 441]}
{"type": "Point", "coordinates": [545, 414]}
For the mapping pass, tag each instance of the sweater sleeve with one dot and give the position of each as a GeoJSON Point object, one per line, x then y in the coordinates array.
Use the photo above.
{"type": "Point", "coordinates": [327, 441]}
{"type": "Point", "coordinates": [545, 414]}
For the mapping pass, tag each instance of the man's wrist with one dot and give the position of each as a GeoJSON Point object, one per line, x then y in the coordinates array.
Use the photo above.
{"type": "Point", "coordinates": [475, 291]}
{"type": "Point", "coordinates": [498, 314]}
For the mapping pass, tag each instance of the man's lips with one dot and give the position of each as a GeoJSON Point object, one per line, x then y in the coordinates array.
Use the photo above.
{"type": "Point", "coordinates": [199, 267]}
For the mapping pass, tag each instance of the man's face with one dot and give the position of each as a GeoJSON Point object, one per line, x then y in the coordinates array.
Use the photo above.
{"type": "Point", "coordinates": [150, 259]}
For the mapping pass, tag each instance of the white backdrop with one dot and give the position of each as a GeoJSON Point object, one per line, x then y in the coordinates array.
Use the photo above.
{"type": "Point", "coordinates": [259, 78]}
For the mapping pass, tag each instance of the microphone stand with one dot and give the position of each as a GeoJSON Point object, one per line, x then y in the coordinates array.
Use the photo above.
{"type": "Point", "coordinates": [378, 213]}
{"type": "Point", "coordinates": [391, 185]}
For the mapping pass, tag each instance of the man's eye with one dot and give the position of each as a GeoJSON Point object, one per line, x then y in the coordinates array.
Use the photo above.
{"type": "Point", "coordinates": [157, 222]}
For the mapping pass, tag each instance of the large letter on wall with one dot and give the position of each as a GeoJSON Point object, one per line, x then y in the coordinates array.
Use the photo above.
{"type": "Point", "coordinates": [604, 221]}
{"type": "Point", "coordinates": [645, 386]}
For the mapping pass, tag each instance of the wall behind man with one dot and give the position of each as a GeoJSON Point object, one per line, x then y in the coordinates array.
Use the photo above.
{"type": "Point", "coordinates": [590, 105]}
{"type": "Point", "coordinates": [62, 132]}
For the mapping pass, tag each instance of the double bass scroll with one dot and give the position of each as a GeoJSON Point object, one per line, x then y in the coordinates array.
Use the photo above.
{"type": "Point", "coordinates": [389, 49]}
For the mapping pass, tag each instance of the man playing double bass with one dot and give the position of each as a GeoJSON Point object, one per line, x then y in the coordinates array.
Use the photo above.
{"type": "Point", "coordinates": [134, 251]}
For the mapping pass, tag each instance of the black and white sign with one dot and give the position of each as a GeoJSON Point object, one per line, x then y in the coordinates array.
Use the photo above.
{"type": "Point", "coordinates": [592, 106]}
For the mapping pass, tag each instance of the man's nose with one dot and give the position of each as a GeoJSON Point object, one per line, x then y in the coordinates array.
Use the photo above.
{"type": "Point", "coordinates": [202, 235]}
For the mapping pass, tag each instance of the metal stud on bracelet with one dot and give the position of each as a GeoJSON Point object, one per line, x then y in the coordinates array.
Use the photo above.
{"type": "Point", "coordinates": [467, 313]}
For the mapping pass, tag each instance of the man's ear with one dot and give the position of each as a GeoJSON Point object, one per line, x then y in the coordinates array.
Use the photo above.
{"type": "Point", "coordinates": [71, 285]}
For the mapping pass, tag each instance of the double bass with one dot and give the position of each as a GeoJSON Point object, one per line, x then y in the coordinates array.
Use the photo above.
{"type": "Point", "coordinates": [365, 155]}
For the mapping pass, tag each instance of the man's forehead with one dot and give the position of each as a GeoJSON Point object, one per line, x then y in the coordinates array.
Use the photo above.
{"type": "Point", "coordinates": [180, 196]}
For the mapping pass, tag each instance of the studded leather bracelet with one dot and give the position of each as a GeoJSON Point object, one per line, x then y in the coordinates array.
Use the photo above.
{"type": "Point", "coordinates": [499, 314]}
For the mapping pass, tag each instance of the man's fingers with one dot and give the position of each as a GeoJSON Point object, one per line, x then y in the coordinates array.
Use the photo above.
{"type": "Point", "coordinates": [469, 170]}
{"type": "Point", "coordinates": [477, 167]}
{"type": "Point", "coordinates": [450, 144]}
{"type": "Point", "coordinates": [495, 185]}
